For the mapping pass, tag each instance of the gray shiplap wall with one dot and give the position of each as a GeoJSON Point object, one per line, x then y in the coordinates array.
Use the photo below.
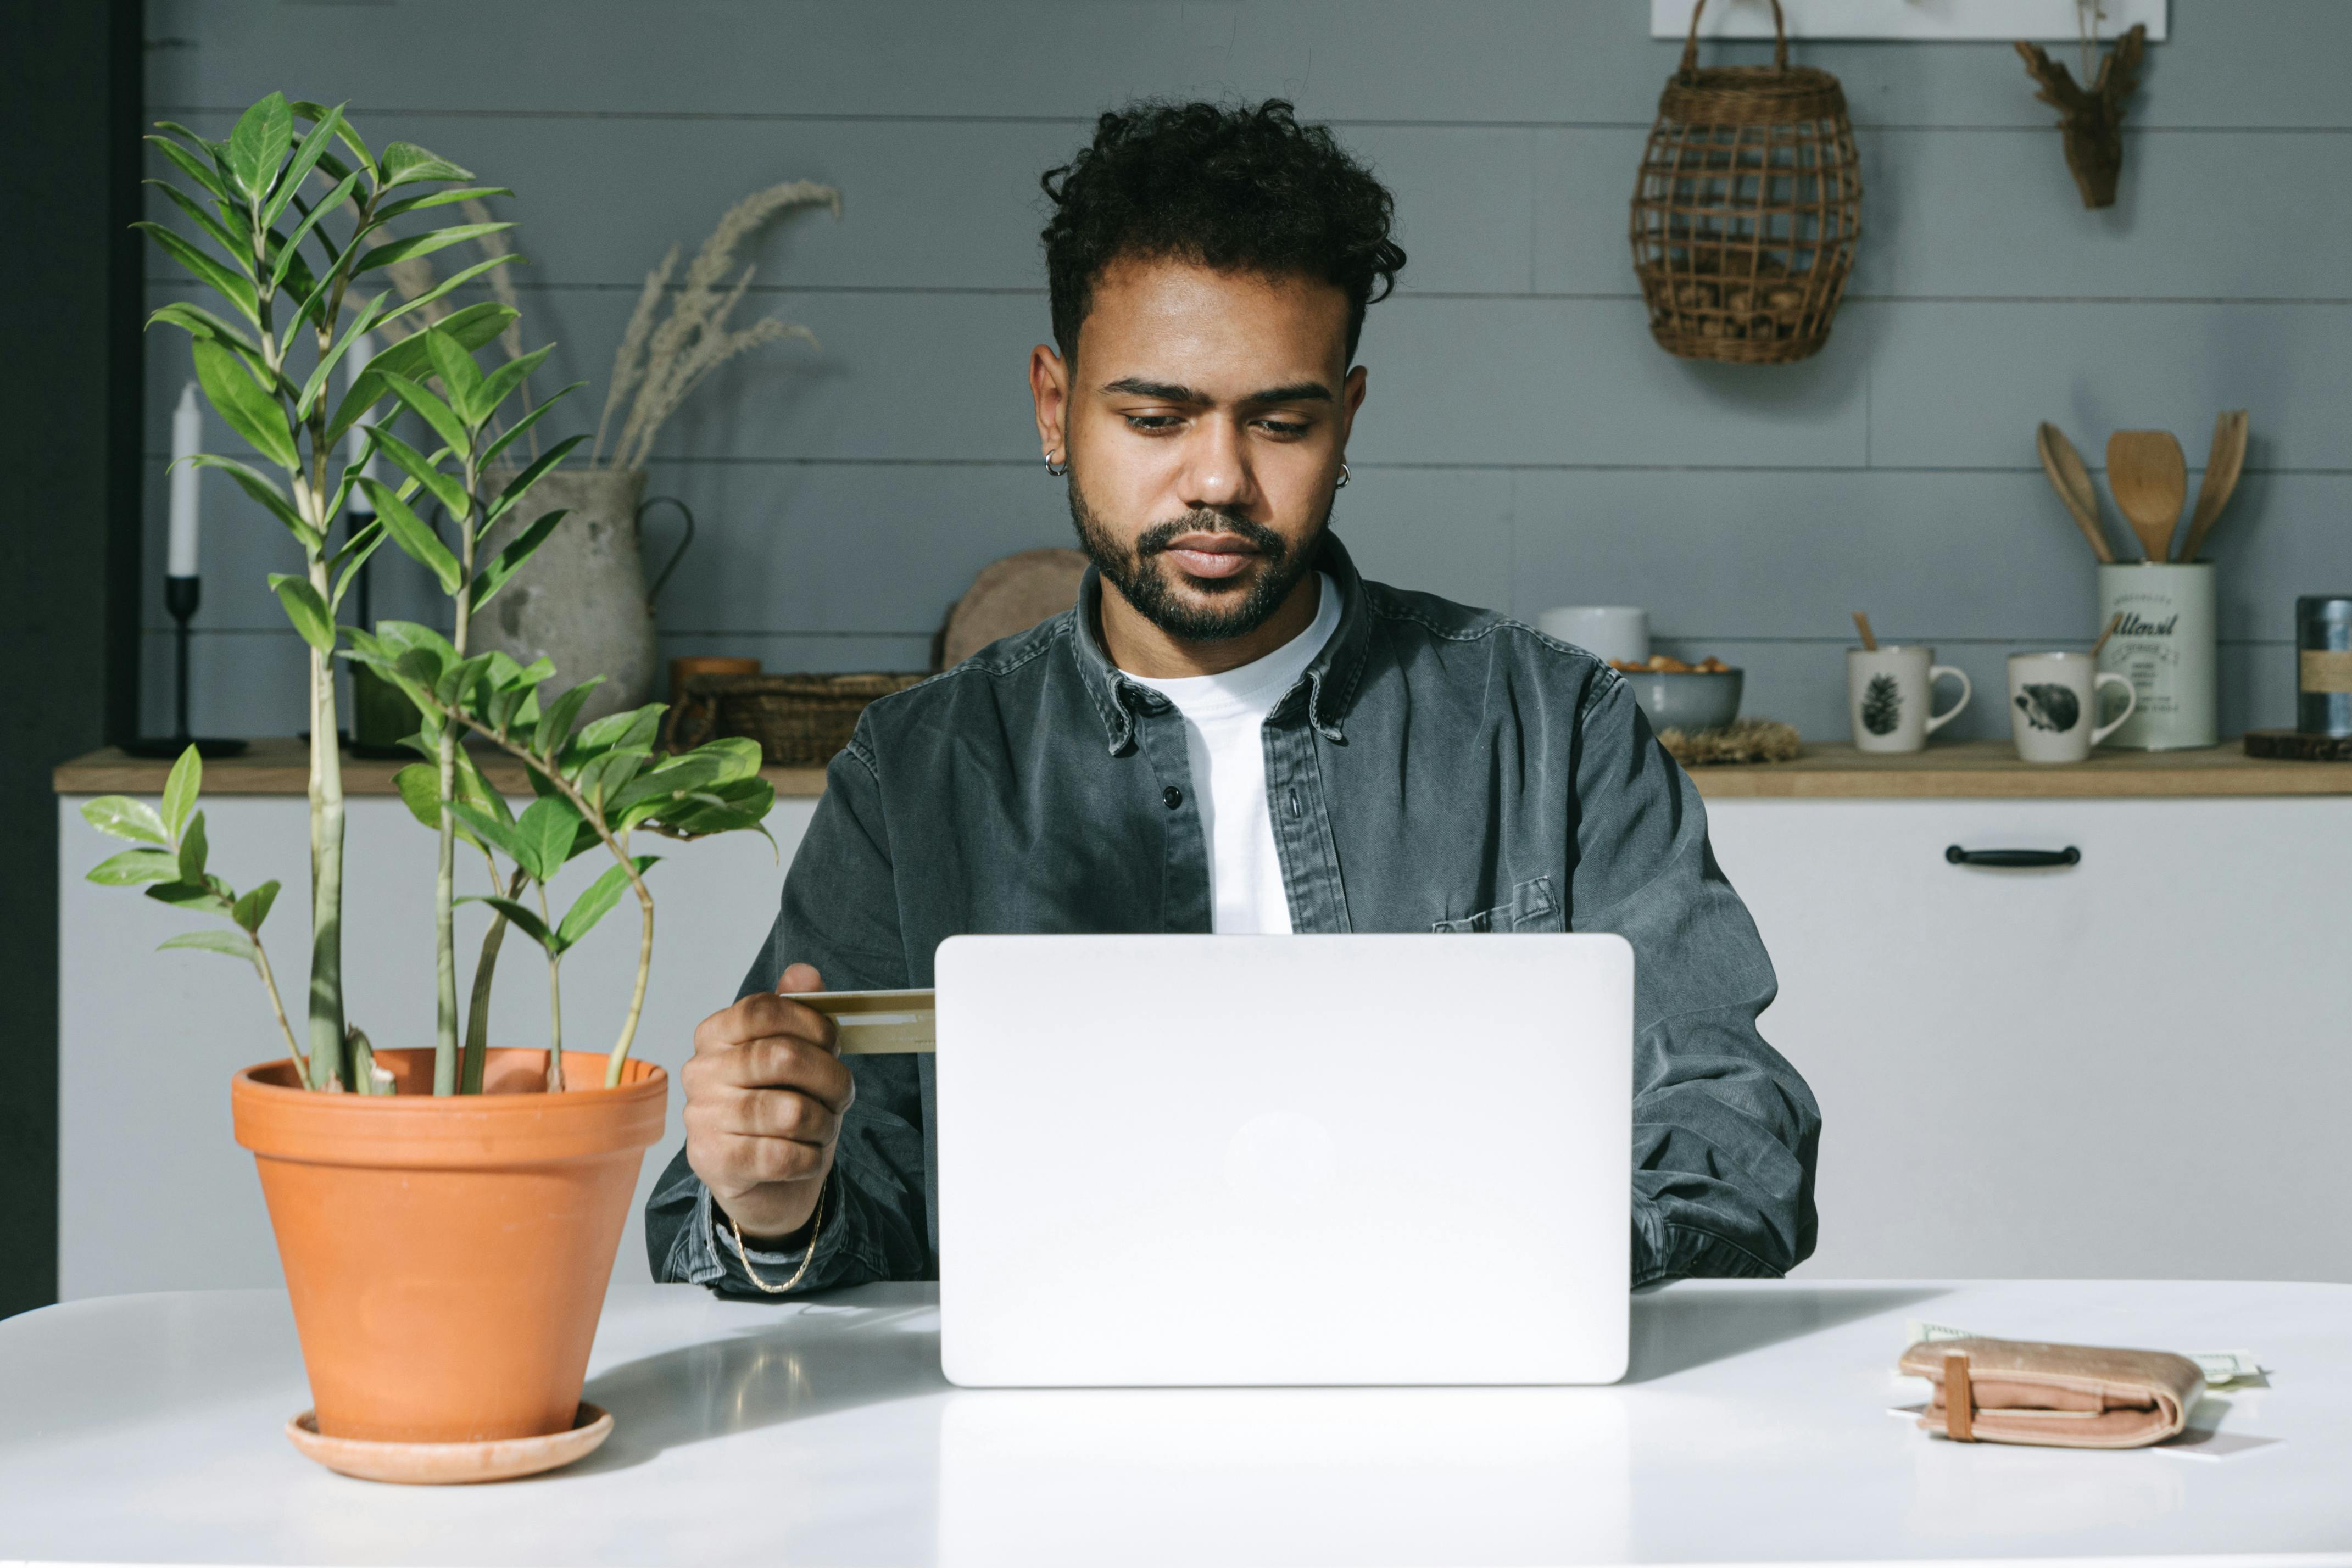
{"type": "Point", "coordinates": [1524, 444]}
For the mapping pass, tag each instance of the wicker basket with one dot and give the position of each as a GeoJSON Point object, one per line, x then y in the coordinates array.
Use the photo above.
{"type": "Point", "coordinates": [1747, 208]}
{"type": "Point", "coordinates": [800, 721]}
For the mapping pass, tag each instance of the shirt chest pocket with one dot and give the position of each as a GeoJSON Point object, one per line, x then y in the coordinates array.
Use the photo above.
{"type": "Point", "coordinates": [1533, 907]}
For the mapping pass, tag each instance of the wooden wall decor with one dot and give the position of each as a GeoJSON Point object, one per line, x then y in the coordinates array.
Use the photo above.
{"type": "Point", "coordinates": [2091, 119]}
{"type": "Point", "coordinates": [1747, 208]}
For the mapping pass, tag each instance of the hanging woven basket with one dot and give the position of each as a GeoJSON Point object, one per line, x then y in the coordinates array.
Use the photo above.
{"type": "Point", "coordinates": [1746, 209]}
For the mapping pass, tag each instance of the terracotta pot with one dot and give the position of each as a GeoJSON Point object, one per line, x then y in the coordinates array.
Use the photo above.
{"type": "Point", "coordinates": [447, 1257]}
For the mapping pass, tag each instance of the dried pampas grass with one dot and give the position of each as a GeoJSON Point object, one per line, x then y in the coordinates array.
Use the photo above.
{"type": "Point", "coordinates": [662, 360]}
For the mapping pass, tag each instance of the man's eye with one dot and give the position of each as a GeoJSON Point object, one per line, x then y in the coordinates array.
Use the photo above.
{"type": "Point", "coordinates": [1152, 421]}
{"type": "Point", "coordinates": [1285, 428]}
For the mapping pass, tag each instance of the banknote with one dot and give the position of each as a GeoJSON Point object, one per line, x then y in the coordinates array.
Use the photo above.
{"type": "Point", "coordinates": [2221, 1367]}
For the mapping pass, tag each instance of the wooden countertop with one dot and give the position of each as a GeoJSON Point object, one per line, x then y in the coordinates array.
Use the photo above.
{"type": "Point", "coordinates": [1982, 769]}
{"type": "Point", "coordinates": [281, 765]}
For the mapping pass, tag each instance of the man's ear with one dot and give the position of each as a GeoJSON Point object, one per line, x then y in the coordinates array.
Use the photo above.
{"type": "Point", "coordinates": [1049, 387]}
{"type": "Point", "coordinates": [1351, 398]}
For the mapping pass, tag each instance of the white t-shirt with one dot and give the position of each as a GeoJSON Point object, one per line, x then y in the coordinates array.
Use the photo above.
{"type": "Point", "coordinates": [1224, 716]}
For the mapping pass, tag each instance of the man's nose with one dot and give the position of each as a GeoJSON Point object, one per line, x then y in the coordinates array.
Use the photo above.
{"type": "Point", "coordinates": [1217, 476]}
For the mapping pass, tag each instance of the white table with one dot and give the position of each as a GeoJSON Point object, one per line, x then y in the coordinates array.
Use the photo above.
{"type": "Point", "coordinates": [1753, 1427]}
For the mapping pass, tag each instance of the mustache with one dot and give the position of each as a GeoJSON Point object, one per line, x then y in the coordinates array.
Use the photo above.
{"type": "Point", "coordinates": [1158, 537]}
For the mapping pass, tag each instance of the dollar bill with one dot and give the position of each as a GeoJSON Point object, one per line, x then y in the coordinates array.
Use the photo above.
{"type": "Point", "coordinates": [2222, 1368]}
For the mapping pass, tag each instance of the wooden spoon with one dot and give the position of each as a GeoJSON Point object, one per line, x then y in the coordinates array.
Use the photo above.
{"type": "Point", "coordinates": [2222, 465]}
{"type": "Point", "coordinates": [2150, 480]}
{"type": "Point", "coordinates": [2073, 483]}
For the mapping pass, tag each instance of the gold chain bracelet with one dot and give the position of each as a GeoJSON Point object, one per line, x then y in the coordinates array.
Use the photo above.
{"type": "Point", "coordinates": [816, 1227]}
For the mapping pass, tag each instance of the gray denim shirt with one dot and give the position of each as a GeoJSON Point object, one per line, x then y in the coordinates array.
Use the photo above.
{"type": "Point", "coordinates": [1436, 768]}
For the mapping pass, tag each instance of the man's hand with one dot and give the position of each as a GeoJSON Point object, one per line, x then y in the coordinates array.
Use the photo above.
{"type": "Point", "coordinates": [764, 1097]}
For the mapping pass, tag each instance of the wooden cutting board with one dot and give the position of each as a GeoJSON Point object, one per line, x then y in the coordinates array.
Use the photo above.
{"type": "Point", "coordinates": [1008, 596]}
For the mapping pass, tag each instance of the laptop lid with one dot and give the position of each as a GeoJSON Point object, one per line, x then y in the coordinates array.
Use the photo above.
{"type": "Point", "coordinates": [1328, 1159]}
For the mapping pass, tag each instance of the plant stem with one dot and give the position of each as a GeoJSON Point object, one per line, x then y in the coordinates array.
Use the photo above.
{"type": "Point", "coordinates": [444, 882]}
{"type": "Point", "coordinates": [278, 1006]}
{"type": "Point", "coordinates": [477, 1010]}
{"type": "Point", "coordinates": [554, 1002]}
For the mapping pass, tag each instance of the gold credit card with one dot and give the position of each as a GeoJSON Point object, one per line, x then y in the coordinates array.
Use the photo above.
{"type": "Point", "coordinates": [879, 1023]}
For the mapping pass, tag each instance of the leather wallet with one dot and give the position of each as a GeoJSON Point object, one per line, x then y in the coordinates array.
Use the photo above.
{"type": "Point", "coordinates": [2060, 1395]}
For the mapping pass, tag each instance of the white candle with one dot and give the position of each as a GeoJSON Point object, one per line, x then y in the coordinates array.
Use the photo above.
{"type": "Point", "coordinates": [355, 360]}
{"type": "Point", "coordinates": [187, 440]}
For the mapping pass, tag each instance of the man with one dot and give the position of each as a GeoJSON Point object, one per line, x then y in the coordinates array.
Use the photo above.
{"type": "Point", "coordinates": [1233, 731]}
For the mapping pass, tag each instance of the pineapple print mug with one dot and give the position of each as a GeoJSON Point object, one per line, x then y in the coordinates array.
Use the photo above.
{"type": "Point", "coordinates": [1890, 690]}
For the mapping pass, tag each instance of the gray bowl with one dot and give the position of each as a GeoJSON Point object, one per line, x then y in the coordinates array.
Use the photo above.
{"type": "Point", "coordinates": [1689, 703]}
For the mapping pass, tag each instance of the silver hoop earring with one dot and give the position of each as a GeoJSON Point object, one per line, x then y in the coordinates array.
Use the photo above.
{"type": "Point", "coordinates": [1344, 477]}
{"type": "Point", "coordinates": [1056, 469]}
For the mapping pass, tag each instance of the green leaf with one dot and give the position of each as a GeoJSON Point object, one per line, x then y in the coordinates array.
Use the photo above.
{"type": "Point", "coordinates": [425, 244]}
{"type": "Point", "coordinates": [449, 490]}
{"type": "Point", "coordinates": [461, 379]}
{"type": "Point", "coordinates": [404, 162]}
{"type": "Point", "coordinates": [507, 561]}
{"type": "Point", "coordinates": [501, 383]}
{"type": "Point", "coordinates": [549, 830]}
{"type": "Point", "coordinates": [232, 286]}
{"type": "Point", "coordinates": [193, 167]}
{"type": "Point", "coordinates": [674, 777]}
{"type": "Point", "coordinates": [492, 831]}
{"type": "Point", "coordinates": [740, 757]}
{"type": "Point", "coordinates": [409, 532]}
{"type": "Point", "coordinates": [264, 489]}
{"type": "Point", "coordinates": [192, 851]}
{"type": "Point", "coordinates": [459, 679]}
{"type": "Point", "coordinates": [317, 381]}
{"type": "Point", "coordinates": [472, 327]}
{"type": "Point", "coordinates": [635, 729]}
{"type": "Point", "coordinates": [556, 727]}
{"type": "Point", "coordinates": [228, 943]}
{"type": "Point", "coordinates": [408, 204]}
{"type": "Point", "coordinates": [304, 109]}
{"type": "Point", "coordinates": [133, 867]}
{"type": "Point", "coordinates": [181, 788]}
{"type": "Point", "coordinates": [334, 198]}
{"type": "Point", "coordinates": [306, 158]}
{"type": "Point", "coordinates": [419, 784]}
{"type": "Point", "coordinates": [254, 908]}
{"type": "Point", "coordinates": [306, 610]}
{"type": "Point", "coordinates": [521, 484]}
{"type": "Point", "coordinates": [430, 409]}
{"type": "Point", "coordinates": [514, 432]}
{"type": "Point", "coordinates": [258, 143]}
{"type": "Point", "coordinates": [351, 558]}
{"type": "Point", "coordinates": [598, 901]}
{"type": "Point", "coordinates": [201, 896]}
{"type": "Point", "coordinates": [524, 916]}
{"type": "Point", "coordinates": [250, 410]}
{"type": "Point", "coordinates": [199, 322]}
{"type": "Point", "coordinates": [457, 279]}
{"type": "Point", "coordinates": [211, 226]}
{"type": "Point", "coordinates": [120, 817]}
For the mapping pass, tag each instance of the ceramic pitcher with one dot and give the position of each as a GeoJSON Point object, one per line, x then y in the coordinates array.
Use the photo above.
{"type": "Point", "coordinates": [582, 601]}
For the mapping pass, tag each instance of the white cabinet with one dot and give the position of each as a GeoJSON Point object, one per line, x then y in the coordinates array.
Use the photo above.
{"type": "Point", "coordinates": [2137, 1066]}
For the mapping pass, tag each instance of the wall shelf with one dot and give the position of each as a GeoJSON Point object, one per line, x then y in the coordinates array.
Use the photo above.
{"type": "Point", "coordinates": [1918, 21]}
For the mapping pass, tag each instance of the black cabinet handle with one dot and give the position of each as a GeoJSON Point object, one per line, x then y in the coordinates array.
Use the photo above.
{"type": "Point", "coordinates": [2070, 855]}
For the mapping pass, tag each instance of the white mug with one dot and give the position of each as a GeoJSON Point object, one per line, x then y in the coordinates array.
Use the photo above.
{"type": "Point", "coordinates": [1605, 631]}
{"type": "Point", "coordinates": [2053, 706]}
{"type": "Point", "coordinates": [1889, 690]}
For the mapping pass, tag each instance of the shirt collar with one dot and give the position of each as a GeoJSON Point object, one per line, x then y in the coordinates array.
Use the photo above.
{"type": "Point", "coordinates": [1331, 680]}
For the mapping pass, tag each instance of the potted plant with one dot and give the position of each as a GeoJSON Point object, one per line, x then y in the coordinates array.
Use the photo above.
{"type": "Point", "coordinates": [447, 1214]}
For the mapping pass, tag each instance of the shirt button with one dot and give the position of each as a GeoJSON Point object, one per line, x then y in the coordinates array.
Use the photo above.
{"type": "Point", "coordinates": [1293, 802]}
{"type": "Point", "coordinates": [1174, 796]}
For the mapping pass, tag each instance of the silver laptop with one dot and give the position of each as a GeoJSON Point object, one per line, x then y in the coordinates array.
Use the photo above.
{"type": "Point", "coordinates": [1221, 1160]}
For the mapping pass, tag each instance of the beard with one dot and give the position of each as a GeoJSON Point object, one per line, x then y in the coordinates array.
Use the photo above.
{"type": "Point", "coordinates": [1146, 578]}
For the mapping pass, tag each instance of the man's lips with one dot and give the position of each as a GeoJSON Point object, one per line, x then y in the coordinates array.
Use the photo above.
{"type": "Point", "coordinates": [1210, 555]}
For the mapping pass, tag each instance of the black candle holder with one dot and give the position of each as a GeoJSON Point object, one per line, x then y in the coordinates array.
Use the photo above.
{"type": "Point", "coordinates": [181, 596]}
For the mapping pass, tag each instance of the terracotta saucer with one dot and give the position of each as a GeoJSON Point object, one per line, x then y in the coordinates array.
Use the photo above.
{"type": "Point", "coordinates": [452, 1464]}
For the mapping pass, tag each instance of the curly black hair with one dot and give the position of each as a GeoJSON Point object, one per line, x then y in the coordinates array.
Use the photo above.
{"type": "Point", "coordinates": [1236, 189]}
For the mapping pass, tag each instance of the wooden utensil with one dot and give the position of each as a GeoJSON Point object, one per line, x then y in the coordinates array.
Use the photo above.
{"type": "Point", "coordinates": [2112, 621]}
{"type": "Point", "coordinates": [1862, 624]}
{"type": "Point", "coordinates": [2222, 465]}
{"type": "Point", "coordinates": [2150, 480]}
{"type": "Point", "coordinates": [2073, 483]}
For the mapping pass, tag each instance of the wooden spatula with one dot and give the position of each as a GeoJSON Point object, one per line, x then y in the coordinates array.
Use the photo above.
{"type": "Point", "coordinates": [2222, 465]}
{"type": "Point", "coordinates": [2150, 480]}
{"type": "Point", "coordinates": [2073, 483]}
